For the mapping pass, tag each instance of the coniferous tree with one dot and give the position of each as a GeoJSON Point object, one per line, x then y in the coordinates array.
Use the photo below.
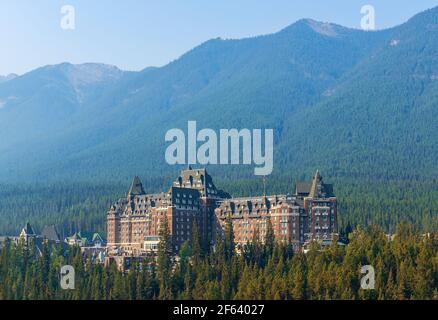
{"type": "Point", "coordinates": [164, 260]}
{"type": "Point", "coordinates": [229, 245]}
{"type": "Point", "coordinates": [406, 268]}
{"type": "Point", "coordinates": [424, 271]}
{"type": "Point", "coordinates": [196, 245]}
{"type": "Point", "coordinates": [269, 238]}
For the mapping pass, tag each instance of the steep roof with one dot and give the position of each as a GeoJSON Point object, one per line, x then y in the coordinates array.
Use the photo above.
{"type": "Point", "coordinates": [136, 188]}
{"type": "Point", "coordinates": [316, 183]}
{"type": "Point", "coordinates": [50, 233]}
{"type": "Point", "coordinates": [255, 204]}
{"type": "Point", "coordinates": [197, 179]}
{"type": "Point", "coordinates": [75, 236]}
{"type": "Point", "coordinates": [28, 230]}
{"type": "Point", "coordinates": [315, 188]}
{"type": "Point", "coordinates": [303, 187]}
{"type": "Point", "coordinates": [97, 236]}
{"type": "Point", "coordinates": [87, 236]}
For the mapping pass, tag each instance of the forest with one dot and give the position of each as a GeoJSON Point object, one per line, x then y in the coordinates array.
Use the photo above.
{"type": "Point", "coordinates": [406, 267]}
{"type": "Point", "coordinates": [78, 206]}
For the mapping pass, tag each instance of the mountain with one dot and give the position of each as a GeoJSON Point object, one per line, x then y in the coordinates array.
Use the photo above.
{"type": "Point", "coordinates": [381, 117]}
{"type": "Point", "coordinates": [8, 77]}
{"type": "Point", "coordinates": [353, 103]}
{"type": "Point", "coordinates": [39, 105]}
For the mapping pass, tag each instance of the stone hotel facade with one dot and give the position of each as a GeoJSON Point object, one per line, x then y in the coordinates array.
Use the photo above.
{"type": "Point", "coordinates": [309, 214]}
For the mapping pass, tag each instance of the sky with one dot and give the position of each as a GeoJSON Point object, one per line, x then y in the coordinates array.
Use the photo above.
{"type": "Point", "coordinates": [134, 34]}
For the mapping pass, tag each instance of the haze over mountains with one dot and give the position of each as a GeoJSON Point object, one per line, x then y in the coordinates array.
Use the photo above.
{"type": "Point", "coordinates": [350, 102]}
{"type": "Point", "coordinates": [8, 77]}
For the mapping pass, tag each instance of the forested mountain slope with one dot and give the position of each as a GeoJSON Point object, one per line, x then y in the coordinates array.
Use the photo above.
{"type": "Point", "coordinates": [70, 124]}
{"type": "Point", "coordinates": [360, 106]}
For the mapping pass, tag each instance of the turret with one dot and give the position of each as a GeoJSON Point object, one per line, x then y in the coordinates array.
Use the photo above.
{"type": "Point", "coordinates": [136, 188]}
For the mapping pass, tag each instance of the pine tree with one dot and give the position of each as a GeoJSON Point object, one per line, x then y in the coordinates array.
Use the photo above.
{"type": "Point", "coordinates": [229, 244]}
{"type": "Point", "coordinates": [196, 245]}
{"type": "Point", "coordinates": [165, 260]}
{"type": "Point", "coordinates": [269, 238]}
{"type": "Point", "coordinates": [188, 284]}
{"type": "Point", "coordinates": [140, 284]}
{"type": "Point", "coordinates": [226, 283]}
{"type": "Point", "coordinates": [298, 277]}
{"type": "Point", "coordinates": [423, 277]}
{"type": "Point", "coordinates": [132, 282]}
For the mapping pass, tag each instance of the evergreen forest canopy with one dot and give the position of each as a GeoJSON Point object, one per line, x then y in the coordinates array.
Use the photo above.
{"type": "Point", "coordinates": [405, 268]}
{"type": "Point", "coordinates": [76, 207]}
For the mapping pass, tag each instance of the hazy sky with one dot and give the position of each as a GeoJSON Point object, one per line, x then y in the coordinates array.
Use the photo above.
{"type": "Point", "coordinates": [134, 34]}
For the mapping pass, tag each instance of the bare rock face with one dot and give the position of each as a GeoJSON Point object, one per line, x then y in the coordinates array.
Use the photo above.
{"type": "Point", "coordinates": [327, 29]}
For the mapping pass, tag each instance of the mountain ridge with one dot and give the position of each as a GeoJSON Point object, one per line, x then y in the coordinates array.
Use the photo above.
{"type": "Point", "coordinates": [8, 77]}
{"type": "Point", "coordinates": [98, 120]}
